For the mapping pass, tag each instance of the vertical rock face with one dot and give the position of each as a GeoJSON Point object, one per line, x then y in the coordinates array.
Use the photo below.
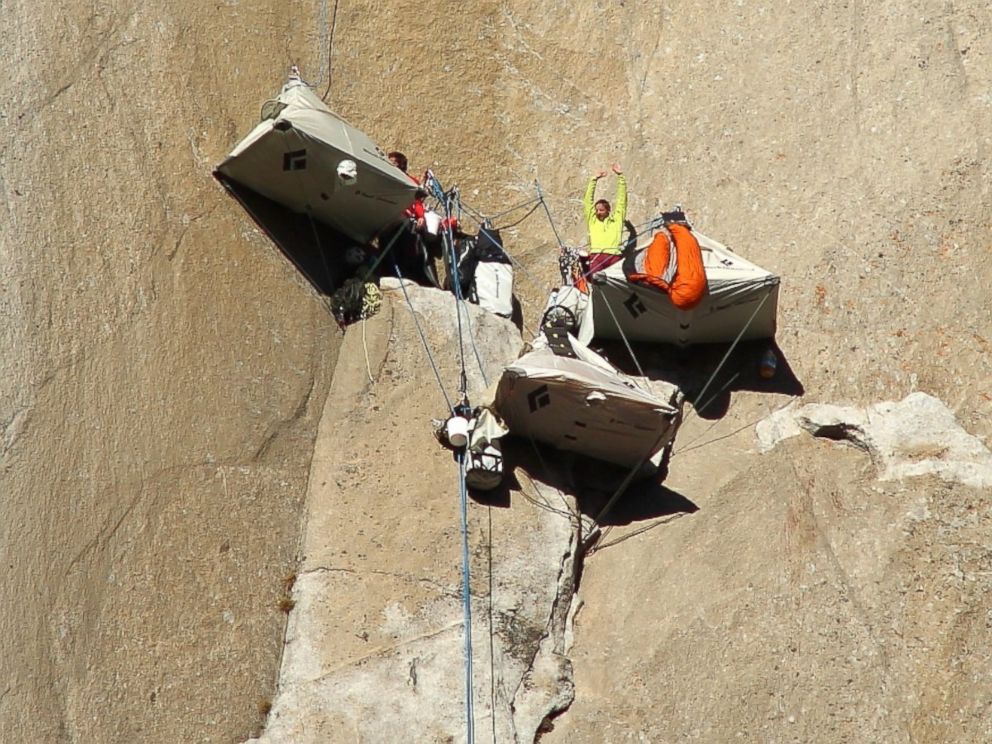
{"type": "Point", "coordinates": [161, 375]}
{"type": "Point", "coordinates": [163, 369]}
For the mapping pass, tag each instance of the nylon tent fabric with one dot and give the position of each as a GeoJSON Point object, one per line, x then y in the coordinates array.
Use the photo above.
{"type": "Point", "coordinates": [740, 297]}
{"type": "Point", "coordinates": [583, 405]}
{"type": "Point", "coordinates": [301, 157]}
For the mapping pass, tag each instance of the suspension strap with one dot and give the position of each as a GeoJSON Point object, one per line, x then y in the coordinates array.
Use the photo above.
{"type": "Point", "coordinates": [370, 272]}
{"type": "Point", "coordinates": [732, 347]}
{"type": "Point", "coordinates": [423, 340]}
{"type": "Point", "coordinates": [448, 240]}
{"type": "Point", "coordinates": [551, 221]}
{"type": "Point", "coordinates": [623, 336]}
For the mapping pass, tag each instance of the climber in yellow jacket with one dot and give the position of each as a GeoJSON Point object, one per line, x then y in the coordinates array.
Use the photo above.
{"type": "Point", "coordinates": [605, 225]}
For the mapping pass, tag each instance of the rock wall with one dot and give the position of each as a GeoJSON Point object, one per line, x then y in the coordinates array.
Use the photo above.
{"type": "Point", "coordinates": [376, 647]}
{"type": "Point", "coordinates": [160, 382]}
{"type": "Point", "coordinates": [164, 369]}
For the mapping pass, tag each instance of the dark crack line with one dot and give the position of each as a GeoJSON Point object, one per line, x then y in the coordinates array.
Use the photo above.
{"type": "Point", "coordinates": [279, 427]}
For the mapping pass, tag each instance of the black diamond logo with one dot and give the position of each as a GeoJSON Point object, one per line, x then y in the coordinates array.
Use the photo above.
{"type": "Point", "coordinates": [295, 160]}
{"type": "Point", "coordinates": [539, 398]}
{"type": "Point", "coordinates": [634, 305]}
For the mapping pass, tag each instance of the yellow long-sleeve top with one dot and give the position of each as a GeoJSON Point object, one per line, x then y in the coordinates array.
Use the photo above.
{"type": "Point", "coordinates": [606, 236]}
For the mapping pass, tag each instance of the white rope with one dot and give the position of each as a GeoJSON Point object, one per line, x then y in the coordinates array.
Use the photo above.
{"type": "Point", "coordinates": [368, 366]}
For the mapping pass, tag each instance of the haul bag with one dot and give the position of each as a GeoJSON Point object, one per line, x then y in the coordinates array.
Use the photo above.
{"type": "Point", "coordinates": [489, 246]}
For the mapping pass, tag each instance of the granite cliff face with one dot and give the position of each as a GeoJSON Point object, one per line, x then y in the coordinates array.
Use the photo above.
{"type": "Point", "coordinates": [164, 369]}
{"type": "Point", "coordinates": [162, 375]}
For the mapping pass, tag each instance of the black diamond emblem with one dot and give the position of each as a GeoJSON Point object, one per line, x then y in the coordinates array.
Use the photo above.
{"type": "Point", "coordinates": [539, 398]}
{"type": "Point", "coordinates": [634, 305]}
{"type": "Point", "coordinates": [295, 160]}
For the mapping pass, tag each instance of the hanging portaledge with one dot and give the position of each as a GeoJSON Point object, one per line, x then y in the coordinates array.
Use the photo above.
{"type": "Point", "coordinates": [574, 400]}
{"type": "Point", "coordinates": [315, 184]}
{"type": "Point", "coordinates": [739, 299]}
{"type": "Point", "coordinates": [310, 160]}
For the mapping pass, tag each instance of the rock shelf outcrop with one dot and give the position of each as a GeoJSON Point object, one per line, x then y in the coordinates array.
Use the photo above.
{"type": "Point", "coordinates": [375, 649]}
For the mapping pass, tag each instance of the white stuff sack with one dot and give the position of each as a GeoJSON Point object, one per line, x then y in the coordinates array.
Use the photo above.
{"type": "Point", "coordinates": [494, 287]}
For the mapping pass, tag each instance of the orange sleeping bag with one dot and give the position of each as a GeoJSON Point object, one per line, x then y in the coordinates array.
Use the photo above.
{"type": "Point", "coordinates": [689, 283]}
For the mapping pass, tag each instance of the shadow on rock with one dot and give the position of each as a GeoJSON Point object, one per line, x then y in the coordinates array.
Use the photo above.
{"type": "Point", "coordinates": [305, 242]}
{"type": "Point", "coordinates": [644, 498]}
{"type": "Point", "coordinates": [499, 496]}
{"type": "Point", "coordinates": [541, 465]}
{"type": "Point", "coordinates": [592, 482]}
{"type": "Point", "coordinates": [708, 380]}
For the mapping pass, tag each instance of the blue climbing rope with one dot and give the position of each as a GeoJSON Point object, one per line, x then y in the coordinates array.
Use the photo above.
{"type": "Point", "coordinates": [466, 601]}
